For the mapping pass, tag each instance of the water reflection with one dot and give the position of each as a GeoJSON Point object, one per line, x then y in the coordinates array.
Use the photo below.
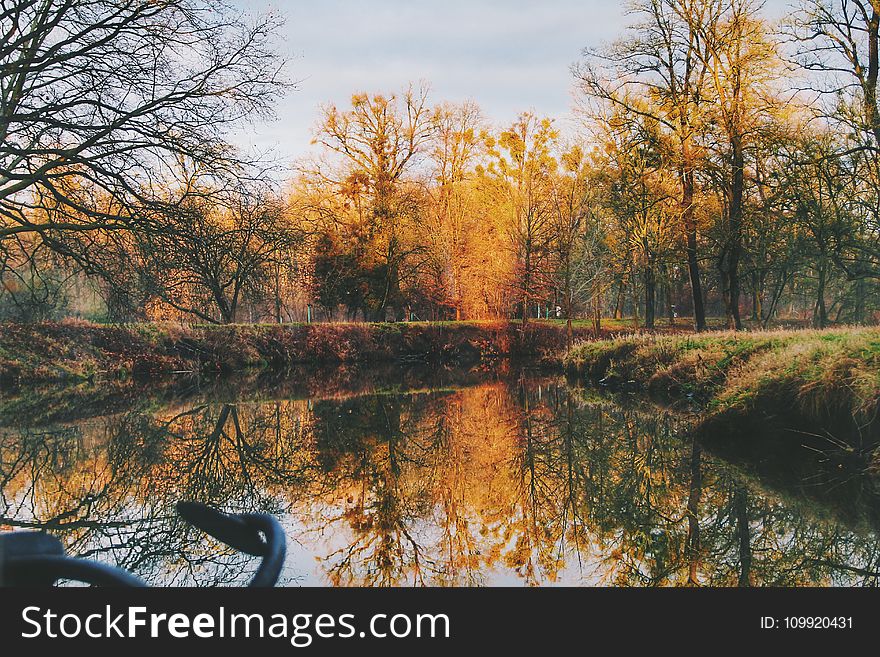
{"type": "Point", "coordinates": [519, 480]}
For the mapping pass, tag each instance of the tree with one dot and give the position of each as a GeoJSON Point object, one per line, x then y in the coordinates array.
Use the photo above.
{"type": "Point", "coordinates": [576, 242]}
{"type": "Point", "coordinates": [100, 98]}
{"type": "Point", "coordinates": [638, 196]}
{"type": "Point", "coordinates": [521, 173]}
{"type": "Point", "coordinates": [35, 284]}
{"type": "Point", "coordinates": [842, 38]}
{"type": "Point", "coordinates": [741, 63]}
{"type": "Point", "coordinates": [378, 141]}
{"type": "Point", "coordinates": [822, 209]}
{"type": "Point", "coordinates": [663, 60]}
{"type": "Point", "coordinates": [225, 249]}
{"type": "Point", "coordinates": [776, 251]}
{"type": "Point", "coordinates": [450, 220]}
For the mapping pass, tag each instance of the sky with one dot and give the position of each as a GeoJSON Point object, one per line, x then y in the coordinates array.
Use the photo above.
{"type": "Point", "coordinates": [509, 56]}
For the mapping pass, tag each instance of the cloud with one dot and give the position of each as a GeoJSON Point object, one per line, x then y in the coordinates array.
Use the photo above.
{"type": "Point", "coordinates": [508, 55]}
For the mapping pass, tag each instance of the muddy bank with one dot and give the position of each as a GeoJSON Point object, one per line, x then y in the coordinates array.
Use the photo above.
{"type": "Point", "coordinates": [65, 352]}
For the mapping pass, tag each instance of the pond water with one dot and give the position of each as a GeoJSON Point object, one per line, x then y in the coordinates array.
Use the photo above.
{"type": "Point", "coordinates": [422, 478]}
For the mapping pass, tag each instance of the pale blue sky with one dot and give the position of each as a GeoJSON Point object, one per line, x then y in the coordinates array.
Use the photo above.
{"type": "Point", "coordinates": [508, 55]}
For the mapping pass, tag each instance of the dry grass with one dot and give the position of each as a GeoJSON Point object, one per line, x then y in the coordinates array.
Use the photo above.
{"type": "Point", "coordinates": [822, 373]}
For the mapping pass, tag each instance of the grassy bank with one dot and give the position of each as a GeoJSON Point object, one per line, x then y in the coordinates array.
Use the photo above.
{"type": "Point", "coordinates": [820, 382]}
{"type": "Point", "coordinates": [75, 351]}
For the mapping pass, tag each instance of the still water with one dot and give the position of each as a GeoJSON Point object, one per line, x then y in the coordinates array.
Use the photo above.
{"type": "Point", "coordinates": [423, 478]}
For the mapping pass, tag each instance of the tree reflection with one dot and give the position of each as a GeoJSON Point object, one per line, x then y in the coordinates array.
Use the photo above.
{"type": "Point", "coordinates": [521, 480]}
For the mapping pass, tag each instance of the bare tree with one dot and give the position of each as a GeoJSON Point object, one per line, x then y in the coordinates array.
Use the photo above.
{"type": "Point", "coordinates": [841, 38]}
{"type": "Point", "coordinates": [100, 99]}
{"type": "Point", "coordinates": [223, 248]}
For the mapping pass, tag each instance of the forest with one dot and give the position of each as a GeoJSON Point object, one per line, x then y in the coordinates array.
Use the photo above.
{"type": "Point", "coordinates": [723, 171]}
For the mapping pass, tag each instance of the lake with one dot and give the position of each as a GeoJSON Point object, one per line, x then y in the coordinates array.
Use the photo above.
{"type": "Point", "coordinates": [398, 476]}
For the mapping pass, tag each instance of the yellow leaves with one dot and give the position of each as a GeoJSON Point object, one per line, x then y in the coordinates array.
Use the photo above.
{"type": "Point", "coordinates": [573, 159]}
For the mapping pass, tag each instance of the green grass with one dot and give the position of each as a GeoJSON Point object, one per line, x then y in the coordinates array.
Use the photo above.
{"type": "Point", "coordinates": [819, 374]}
{"type": "Point", "coordinates": [681, 324]}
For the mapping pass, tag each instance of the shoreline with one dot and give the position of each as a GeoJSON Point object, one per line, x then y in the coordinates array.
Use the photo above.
{"type": "Point", "coordinates": [801, 386]}
{"type": "Point", "coordinates": [53, 353]}
{"type": "Point", "coordinates": [814, 387]}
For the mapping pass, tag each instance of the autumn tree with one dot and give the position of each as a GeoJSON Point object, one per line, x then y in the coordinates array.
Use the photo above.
{"type": "Point", "coordinates": [741, 64]}
{"type": "Point", "coordinates": [450, 220]}
{"type": "Point", "coordinates": [520, 174]}
{"type": "Point", "coordinates": [576, 236]}
{"type": "Point", "coordinates": [378, 141]}
{"type": "Point", "coordinates": [663, 59]}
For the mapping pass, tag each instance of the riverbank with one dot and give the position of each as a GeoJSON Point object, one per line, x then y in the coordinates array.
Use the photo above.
{"type": "Point", "coordinates": [760, 380]}
{"type": "Point", "coordinates": [821, 385]}
{"type": "Point", "coordinates": [708, 379]}
{"type": "Point", "coordinates": [78, 351]}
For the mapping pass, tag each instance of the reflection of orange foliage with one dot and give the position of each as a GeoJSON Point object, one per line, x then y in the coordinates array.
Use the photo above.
{"type": "Point", "coordinates": [443, 488]}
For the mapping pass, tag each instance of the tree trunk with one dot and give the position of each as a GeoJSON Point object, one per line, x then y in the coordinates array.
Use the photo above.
{"type": "Point", "coordinates": [527, 273]}
{"type": "Point", "coordinates": [650, 296]}
{"type": "Point", "coordinates": [226, 309]}
{"type": "Point", "coordinates": [872, 111]}
{"type": "Point", "coordinates": [778, 291]}
{"type": "Point", "coordinates": [618, 304]}
{"type": "Point", "coordinates": [690, 227]}
{"type": "Point", "coordinates": [635, 296]}
{"type": "Point", "coordinates": [737, 192]}
{"type": "Point", "coordinates": [669, 305]}
{"type": "Point", "coordinates": [859, 310]}
{"type": "Point", "coordinates": [569, 329]}
{"type": "Point", "coordinates": [278, 317]}
{"type": "Point", "coordinates": [820, 312]}
{"type": "Point", "coordinates": [757, 311]}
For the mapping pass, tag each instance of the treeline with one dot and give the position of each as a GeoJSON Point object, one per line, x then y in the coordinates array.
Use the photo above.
{"type": "Point", "coordinates": [723, 165]}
